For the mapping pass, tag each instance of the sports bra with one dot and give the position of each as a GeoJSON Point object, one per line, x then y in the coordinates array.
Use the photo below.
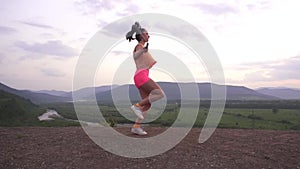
{"type": "Point", "coordinates": [144, 61]}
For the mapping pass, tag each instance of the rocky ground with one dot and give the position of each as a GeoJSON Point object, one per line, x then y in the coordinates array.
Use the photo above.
{"type": "Point", "coordinates": [70, 147]}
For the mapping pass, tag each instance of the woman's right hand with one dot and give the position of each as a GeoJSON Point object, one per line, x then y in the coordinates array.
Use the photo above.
{"type": "Point", "coordinates": [146, 47]}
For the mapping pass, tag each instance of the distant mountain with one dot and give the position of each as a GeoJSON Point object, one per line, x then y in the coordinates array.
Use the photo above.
{"type": "Point", "coordinates": [52, 92]}
{"type": "Point", "coordinates": [123, 92]}
{"type": "Point", "coordinates": [84, 93]}
{"type": "Point", "coordinates": [283, 93]}
{"type": "Point", "coordinates": [172, 91]}
{"type": "Point", "coordinates": [244, 93]}
{"type": "Point", "coordinates": [17, 111]}
{"type": "Point", "coordinates": [34, 97]}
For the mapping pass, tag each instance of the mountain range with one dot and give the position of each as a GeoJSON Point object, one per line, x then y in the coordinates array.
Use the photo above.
{"type": "Point", "coordinates": [35, 97]}
{"type": "Point", "coordinates": [283, 93]}
{"type": "Point", "coordinates": [172, 91]}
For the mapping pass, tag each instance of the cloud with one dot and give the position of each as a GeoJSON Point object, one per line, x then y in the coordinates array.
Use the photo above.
{"type": "Point", "coordinates": [129, 9]}
{"type": "Point", "coordinates": [47, 35]}
{"type": "Point", "coordinates": [282, 72]}
{"type": "Point", "coordinates": [91, 7]}
{"type": "Point", "coordinates": [52, 72]}
{"type": "Point", "coordinates": [7, 30]}
{"type": "Point", "coordinates": [259, 75]}
{"type": "Point", "coordinates": [252, 5]}
{"type": "Point", "coordinates": [2, 56]}
{"type": "Point", "coordinates": [56, 48]}
{"type": "Point", "coordinates": [37, 25]}
{"type": "Point", "coordinates": [229, 7]}
{"type": "Point", "coordinates": [107, 10]}
{"type": "Point", "coordinates": [182, 30]}
{"type": "Point", "coordinates": [287, 69]}
{"type": "Point", "coordinates": [215, 9]}
{"type": "Point", "coordinates": [119, 52]}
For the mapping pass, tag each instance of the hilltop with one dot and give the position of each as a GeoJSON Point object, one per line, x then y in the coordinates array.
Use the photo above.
{"type": "Point", "coordinates": [17, 111]}
{"type": "Point", "coordinates": [70, 147]}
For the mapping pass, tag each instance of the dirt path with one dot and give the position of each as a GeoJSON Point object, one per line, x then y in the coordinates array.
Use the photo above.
{"type": "Point", "coordinates": [70, 147]}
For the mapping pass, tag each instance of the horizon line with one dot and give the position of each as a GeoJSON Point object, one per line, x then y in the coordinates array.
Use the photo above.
{"type": "Point", "coordinates": [107, 85]}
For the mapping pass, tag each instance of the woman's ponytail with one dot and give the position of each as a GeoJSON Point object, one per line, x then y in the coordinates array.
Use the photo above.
{"type": "Point", "coordinates": [136, 28]}
{"type": "Point", "coordinates": [129, 35]}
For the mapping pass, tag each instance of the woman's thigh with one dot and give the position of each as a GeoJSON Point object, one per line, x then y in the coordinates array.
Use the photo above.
{"type": "Point", "coordinates": [149, 87]}
{"type": "Point", "coordinates": [143, 93]}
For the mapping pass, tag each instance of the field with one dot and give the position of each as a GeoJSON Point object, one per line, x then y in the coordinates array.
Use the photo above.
{"type": "Point", "coordinates": [274, 115]}
{"type": "Point", "coordinates": [263, 114]}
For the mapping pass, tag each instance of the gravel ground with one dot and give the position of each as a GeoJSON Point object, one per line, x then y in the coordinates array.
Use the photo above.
{"type": "Point", "coordinates": [70, 147]}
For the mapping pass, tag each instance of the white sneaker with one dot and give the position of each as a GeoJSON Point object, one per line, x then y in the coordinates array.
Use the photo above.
{"type": "Point", "coordinates": [137, 111]}
{"type": "Point", "coordinates": [138, 131]}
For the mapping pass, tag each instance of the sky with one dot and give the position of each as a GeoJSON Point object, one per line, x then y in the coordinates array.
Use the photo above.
{"type": "Point", "coordinates": [257, 42]}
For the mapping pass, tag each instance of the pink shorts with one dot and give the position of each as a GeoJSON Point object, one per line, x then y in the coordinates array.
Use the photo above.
{"type": "Point", "coordinates": [141, 76]}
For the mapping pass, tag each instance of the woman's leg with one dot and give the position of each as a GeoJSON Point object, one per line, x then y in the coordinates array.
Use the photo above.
{"type": "Point", "coordinates": [144, 109]}
{"type": "Point", "coordinates": [144, 94]}
{"type": "Point", "coordinates": [154, 93]}
{"type": "Point", "coordinates": [150, 92]}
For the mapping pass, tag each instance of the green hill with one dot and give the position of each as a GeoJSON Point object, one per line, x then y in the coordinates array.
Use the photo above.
{"type": "Point", "coordinates": [36, 98]}
{"type": "Point", "coordinates": [17, 111]}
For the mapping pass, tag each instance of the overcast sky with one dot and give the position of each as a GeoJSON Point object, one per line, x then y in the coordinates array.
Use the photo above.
{"type": "Point", "coordinates": [257, 42]}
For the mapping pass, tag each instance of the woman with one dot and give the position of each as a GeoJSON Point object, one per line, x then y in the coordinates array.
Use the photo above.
{"type": "Point", "coordinates": [149, 90]}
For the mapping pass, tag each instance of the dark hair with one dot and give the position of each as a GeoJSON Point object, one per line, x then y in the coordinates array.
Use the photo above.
{"type": "Point", "coordinates": [138, 30]}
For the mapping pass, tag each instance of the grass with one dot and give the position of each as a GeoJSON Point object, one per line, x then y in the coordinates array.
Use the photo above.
{"type": "Point", "coordinates": [58, 123]}
{"type": "Point", "coordinates": [17, 111]}
{"type": "Point", "coordinates": [261, 119]}
{"type": "Point", "coordinates": [283, 115]}
{"type": "Point", "coordinates": [284, 119]}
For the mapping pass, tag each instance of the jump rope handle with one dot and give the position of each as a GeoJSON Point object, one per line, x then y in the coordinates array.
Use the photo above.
{"type": "Point", "coordinates": [146, 47]}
